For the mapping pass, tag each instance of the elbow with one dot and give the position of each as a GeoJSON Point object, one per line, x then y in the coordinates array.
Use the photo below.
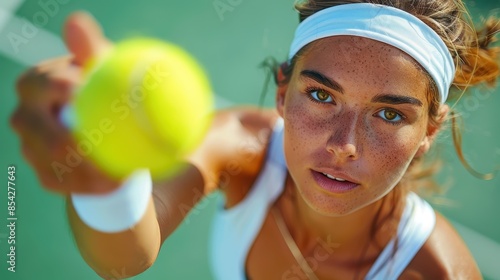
{"type": "Point", "coordinates": [121, 264]}
{"type": "Point", "coordinates": [126, 270]}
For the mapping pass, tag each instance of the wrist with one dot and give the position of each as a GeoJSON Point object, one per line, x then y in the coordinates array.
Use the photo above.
{"type": "Point", "coordinates": [118, 210]}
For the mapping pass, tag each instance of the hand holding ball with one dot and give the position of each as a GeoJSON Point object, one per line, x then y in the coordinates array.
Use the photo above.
{"type": "Point", "coordinates": [151, 102]}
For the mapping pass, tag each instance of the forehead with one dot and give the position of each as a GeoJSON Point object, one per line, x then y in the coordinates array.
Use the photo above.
{"type": "Point", "coordinates": [353, 48]}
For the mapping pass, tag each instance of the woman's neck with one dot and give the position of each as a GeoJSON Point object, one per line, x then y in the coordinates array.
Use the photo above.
{"type": "Point", "coordinates": [351, 235]}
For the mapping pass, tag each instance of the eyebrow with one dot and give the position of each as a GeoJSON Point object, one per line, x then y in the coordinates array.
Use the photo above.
{"type": "Point", "coordinates": [322, 79]}
{"type": "Point", "coordinates": [397, 99]}
{"type": "Point", "coordinates": [394, 99]}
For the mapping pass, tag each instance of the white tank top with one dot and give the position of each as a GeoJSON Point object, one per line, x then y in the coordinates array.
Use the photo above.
{"type": "Point", "coordinates": [234, 230]}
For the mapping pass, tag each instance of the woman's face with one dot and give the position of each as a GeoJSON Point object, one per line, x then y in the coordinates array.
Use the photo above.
{"type": "Point", "coordinates": [354, 109]}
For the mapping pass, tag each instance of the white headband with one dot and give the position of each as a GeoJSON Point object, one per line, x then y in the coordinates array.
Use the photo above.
{"type": "Point", "coordinates": [385, 24]}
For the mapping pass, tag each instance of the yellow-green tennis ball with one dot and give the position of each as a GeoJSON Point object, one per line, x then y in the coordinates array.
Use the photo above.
{"type": "Point", "coordinates": [145, 104]}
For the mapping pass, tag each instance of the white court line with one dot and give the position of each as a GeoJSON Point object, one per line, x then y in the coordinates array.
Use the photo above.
{"type": "Point", "coordinates": [27, 44]}
{"type": "Point", "coordinates": [5, 16]}
{"type": "Point", "coordinates": [10, 5]}
{"type": "Point", "coordinates": [7, 8]}
{"type": "Point", "coordinates": [37, 43]}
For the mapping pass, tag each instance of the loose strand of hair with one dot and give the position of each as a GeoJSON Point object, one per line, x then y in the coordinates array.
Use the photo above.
{"type": "Point", "coordinates": [270, 66]}
{"type": "Point", "coordinates": [457, 143]}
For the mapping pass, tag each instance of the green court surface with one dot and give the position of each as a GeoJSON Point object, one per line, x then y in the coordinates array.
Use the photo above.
{"type": "Point", "coordinates": [230, 38]}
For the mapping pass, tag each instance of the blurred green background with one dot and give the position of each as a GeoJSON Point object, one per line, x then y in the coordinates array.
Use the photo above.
{"type": "Point", "coordinates": [230, 38]}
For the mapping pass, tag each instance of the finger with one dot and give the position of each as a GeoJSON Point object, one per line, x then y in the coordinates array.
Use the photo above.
{"type": "Point", "coordinates": [49, 89]}
{"type": "Point", "coordinates": [84, 37]}
{"type": "Point", "coordinates": [31, 82]}
{"type": "Point", "coordinates": [39, 129]}
{"type": "Point", "coordinates": [53, 63]}
{"type": "Point", "coordinates": [56, 157]}
{"type": "Point", "coordinates": [60, 90]}
{"type": "Point", "coordinates": [41, 146]}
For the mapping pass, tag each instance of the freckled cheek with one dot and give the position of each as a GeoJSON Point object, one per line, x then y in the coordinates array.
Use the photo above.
{"type": "Point", "coordinates": [304, 132]}
{"type": "Point", "coordinates": [303, 122]}
{"type": "Point", "coordinates": [390, 153]}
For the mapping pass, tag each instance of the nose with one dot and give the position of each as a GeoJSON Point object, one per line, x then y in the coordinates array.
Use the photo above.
{"type": "Point", "coordinates": [343, 141]}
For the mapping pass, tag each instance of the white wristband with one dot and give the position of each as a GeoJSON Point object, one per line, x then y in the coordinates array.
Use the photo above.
{"type": "Point", "coordinates": [118, 210]}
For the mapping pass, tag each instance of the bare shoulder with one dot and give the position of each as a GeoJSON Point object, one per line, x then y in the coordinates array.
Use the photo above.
{"type": "Point", "coordinates": [239, 133]}
{"type": "Point", "coordinates": [443, 256]}
{"type": "Point", "coordinates": [234, 148]}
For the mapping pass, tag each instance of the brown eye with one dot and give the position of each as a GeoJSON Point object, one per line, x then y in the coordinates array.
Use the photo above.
{"type": "Point", "coordinates": [321, 96]}
{"type": "Point", "coordinates": [390, 115]}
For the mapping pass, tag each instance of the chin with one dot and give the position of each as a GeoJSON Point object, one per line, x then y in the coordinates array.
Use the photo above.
{"type": "Point", "coordinates": [333, 205]}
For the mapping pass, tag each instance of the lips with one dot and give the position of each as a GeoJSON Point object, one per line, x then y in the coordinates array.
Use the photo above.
{"type": "Point", "coordinates": [333, 184]}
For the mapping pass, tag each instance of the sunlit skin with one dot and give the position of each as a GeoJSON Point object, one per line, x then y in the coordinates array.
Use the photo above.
{"type": "Point", "coordinates": [360, 113]}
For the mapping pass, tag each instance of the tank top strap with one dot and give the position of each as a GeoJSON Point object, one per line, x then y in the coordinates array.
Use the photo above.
{"type": "Point", "coordinates": [415, 227]}
{"type": "Point", "coordinates": [276, 153]}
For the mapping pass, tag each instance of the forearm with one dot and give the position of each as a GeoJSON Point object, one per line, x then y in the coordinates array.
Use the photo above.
{"type": "Point", "coordinates": [126, 253]}
{"type": "Point", "coordinates": [132, 251]}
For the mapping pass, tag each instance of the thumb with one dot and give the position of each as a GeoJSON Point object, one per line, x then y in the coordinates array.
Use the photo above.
{"type": "Point", "coordinates": [84, 37]}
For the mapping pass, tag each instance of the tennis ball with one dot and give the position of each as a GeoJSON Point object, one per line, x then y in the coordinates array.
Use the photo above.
{"type": "Point", "coordinates": [144, 104]}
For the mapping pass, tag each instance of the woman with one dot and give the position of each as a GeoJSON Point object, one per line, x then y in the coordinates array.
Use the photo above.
{"type": "Point", "coordinates": [324, 191]}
